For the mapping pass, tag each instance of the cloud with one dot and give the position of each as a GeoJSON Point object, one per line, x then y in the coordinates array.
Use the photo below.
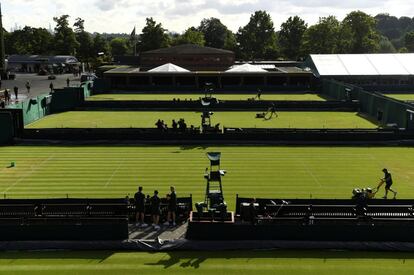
{"type": "Point", "coordinates": [105, 5]}
{"type": "Point", "coordinates": [178, 15]}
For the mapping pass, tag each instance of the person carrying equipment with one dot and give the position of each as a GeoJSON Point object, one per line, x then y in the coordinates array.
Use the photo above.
{"type": "Point", "coordinates": [271, 110]}
{"type": "Point", "coordinates": [388, 182]}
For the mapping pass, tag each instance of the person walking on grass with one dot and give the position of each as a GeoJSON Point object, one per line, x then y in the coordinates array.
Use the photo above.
{"type": "Point", "coordinates": [155, 210]}
{"type": "Point", "coordinates": [140, 208]}
{"type": "Point", "coordinates": [388, 182]}
{"type": "Point", "coordinates": [172, 207]}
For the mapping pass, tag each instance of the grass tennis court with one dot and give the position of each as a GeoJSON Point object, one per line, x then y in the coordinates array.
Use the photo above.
{"type": "Point", "coordinates": [126, 119]}
{"type": "Point", "coordinates": [288, 172]}
{"type": "Point", "coordinates": [197, 262]}
{"type": "Point", "coordinates": [148, 96]}
{"type": "Point", "coordinates": [403, 97]}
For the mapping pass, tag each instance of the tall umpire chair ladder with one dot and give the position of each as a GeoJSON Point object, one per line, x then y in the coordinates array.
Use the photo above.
{"type": "Point", "coordinates": [214, 189]}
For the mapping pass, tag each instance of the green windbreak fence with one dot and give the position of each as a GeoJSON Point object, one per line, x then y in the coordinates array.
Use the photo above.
{"type": "Point", "coordinates": [34, 108]}
{"type": "Point", "coordinates": [385, 110]}
{"type": "Point", "coordinates": [59, 101]}
{"type": "Point", "coordinates": [336, 90]}
{"type": "Point", "coordinates": [6, 128]}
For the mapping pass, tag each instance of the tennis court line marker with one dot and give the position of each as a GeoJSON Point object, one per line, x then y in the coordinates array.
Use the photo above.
{"type": "Point", "coordinates": [28, 173]}
{"type": "Point", "coordinates": [114, 172]}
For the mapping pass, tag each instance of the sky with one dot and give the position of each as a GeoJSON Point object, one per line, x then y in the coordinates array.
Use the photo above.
{"type": "Point", "coordinates": [120, 16]}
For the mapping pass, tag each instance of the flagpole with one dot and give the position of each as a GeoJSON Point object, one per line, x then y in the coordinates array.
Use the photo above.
{"type": "Point", "coordinates": [135, 42]}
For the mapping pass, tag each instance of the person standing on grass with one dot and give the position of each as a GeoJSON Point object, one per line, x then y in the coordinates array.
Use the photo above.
{"type": "Point", "coordinates": [16, 92]}
{"type": "Point", "coordinates": [28, 87]}
{"type": "Point", "coordinates": [388, 182]}
{"type": "Point", "coordinates": [155, 210]}
{"type": "Point", "coordinates": [172, 207]}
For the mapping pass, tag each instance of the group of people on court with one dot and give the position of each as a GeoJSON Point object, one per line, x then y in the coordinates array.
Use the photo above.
{"type": "Point", "coordinates": [179, 125]}
{"type": "Point", "coordinates": [154, 202]}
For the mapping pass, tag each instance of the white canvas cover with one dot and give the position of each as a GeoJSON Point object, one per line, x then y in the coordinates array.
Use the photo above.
{"type": "Point", "coordinates": [246, 68]}
{"type": "Point", "coordinates": [364, 64]}
{"type": "Point", "coordinates": [169, 67]}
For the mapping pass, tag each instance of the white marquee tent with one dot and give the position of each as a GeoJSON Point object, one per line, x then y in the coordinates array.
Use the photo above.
{"type": "Point", "coordinates": [362, 64]}
{"type": "Point", "coordinates": [246, 68]}
{"type": "Point", "coordinates": [169, 67]}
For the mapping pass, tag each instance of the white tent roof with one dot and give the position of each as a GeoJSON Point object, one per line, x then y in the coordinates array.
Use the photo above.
{"type": "Point", "coordinates": [363, 64]}
{"type": "Point", "coordinates": [246, 68]}
{"type": "Point", "coordinates": [169, 67]}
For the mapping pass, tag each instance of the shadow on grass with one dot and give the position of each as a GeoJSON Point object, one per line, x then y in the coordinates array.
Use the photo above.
{"type": "Point", "coordinates": [57, 255]}
{"type": "Point", "coordinates": [194, 259]}
{"type": "Point", "coordinates": [194, 147]}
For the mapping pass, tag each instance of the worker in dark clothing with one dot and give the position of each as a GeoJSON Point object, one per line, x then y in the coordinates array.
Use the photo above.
{"type": "Point", "coordinates": [172, 207]}
{"type": "Point", "coordinates": [67, 82]}
{"type": "Point", "coordinates": [174, 125]}
{"type": "Point", "coordinates": [155, 210]}
{"type": "Point", "coordinates": [388, 182]}
{"type": "Point", "coordinates": [140, 208]}
{"type": "Point", "coordinates": [51, 87]}
{"type": "Point", "coordinates": [28, 87]}
{"type": "Point", "coordinates": [6, 96]}
{"type": "Point", "coordinates": [16, 92]}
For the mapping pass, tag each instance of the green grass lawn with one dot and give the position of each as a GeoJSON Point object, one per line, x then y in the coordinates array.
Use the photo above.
{"type": "Point", "coordinates": [125, 119]}
{"type": "Point", "coordinates": [275, 172]}
{"type": "Point", "coordinates": [230, 262]}
{"type": "Point", "coordinates": [403, 97]}
{"type": "Point", "coordinates": [148, 96]}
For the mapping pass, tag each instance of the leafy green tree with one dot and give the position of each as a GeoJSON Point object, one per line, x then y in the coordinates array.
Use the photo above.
{"type": "Point", "coordinates": [100, 45]}
{"type": "Point", "coordinates": [65, 39]}
{"type": "Point", "coordinates": [359, 28]}
{"type": "Point", "coordinates": [385, 46]}
{"type": "Point", "coordinates": [190, 36]}
{"type": "Point", "coordinates": [409, 41]}
{"type": "Point", "coordinates": [403, 50]}
{"type": "Point", "coordinates": [322, 38]}
{"type": "Point", "coordinates": [100, 50]}
{"type": "Point", "coordinates": [85, 49]}
{"type": "Point", "coordinates": [290, 37]}
{"type": "Point", "coordinates": [231, 42]}
{"type": "Point", "coordinates": [29, 41]}
{"type": "Point", "coordinates": [216, 34]}
{"type": "Point", "coordinates": [153, 36]}
{"type": "Point", "coordinates": [257, 40]}
{"type": "Point", "coordinates": [119, 46]}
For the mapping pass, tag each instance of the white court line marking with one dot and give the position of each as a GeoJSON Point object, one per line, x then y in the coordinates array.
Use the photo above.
{"type": "Point", "coordinates": [28, 173]}
{"type": "Point", "coordinates": [315, 179]}
{"type": "Point", "coordinates": [115, 171]}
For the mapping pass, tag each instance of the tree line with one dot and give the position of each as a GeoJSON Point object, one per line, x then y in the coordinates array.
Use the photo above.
{"type": "Point", "coordinates": [358, 32]}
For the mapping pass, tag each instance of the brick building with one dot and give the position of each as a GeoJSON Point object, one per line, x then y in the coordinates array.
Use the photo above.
{"type": "Point", "coordinates": [189, 56]}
